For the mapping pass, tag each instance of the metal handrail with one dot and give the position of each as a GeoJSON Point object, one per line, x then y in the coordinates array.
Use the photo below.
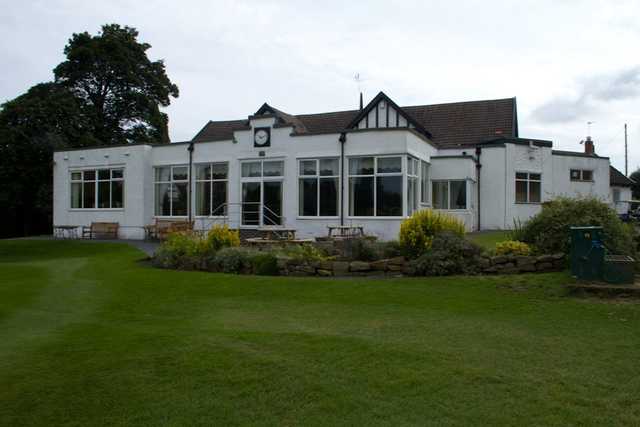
{"type": "Point", "coordinates": [268, 215]}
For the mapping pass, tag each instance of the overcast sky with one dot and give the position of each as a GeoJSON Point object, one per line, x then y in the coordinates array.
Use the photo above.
{"type": "Point", "coordinates": [567, 62]}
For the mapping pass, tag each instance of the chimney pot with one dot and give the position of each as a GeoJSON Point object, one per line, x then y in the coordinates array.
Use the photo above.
{"type": "Point", "coordinates": [589, 147]}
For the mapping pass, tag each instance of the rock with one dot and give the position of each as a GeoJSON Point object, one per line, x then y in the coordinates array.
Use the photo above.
{"type": "Point", "coordinates": [305, 269]}
{"type": "Point", "coordinates": [399, 260]}
{"type": "Point", "coordinates": [558, 264]}
{"type": "Point", "coordinates": [544, 266]}
{"type": "Point", "coordinates": [324, 273]}
{"type": "Point", "coordinates": [558, 256]}
{"type": "Point", "coordinates": [500, 259]}
{"type": "Point", "coordinates": [525, 261]}
{"type": "Point", "coordinates": [357, 266]}
{"type": "Point", "coordinates": [394, 267]}
{"type": "Point", "coordinates": [324, 265]}
{"type": "Point", "coordinates": [490, 270]}
{"type": "Point", "coordinates": [484, 262]}
{"type": "Point", "coordinates": [340, 268]}
{"type": "Point", "coordinates": [545, 258]}
{"type": "Point", "coordinates": [380, 265]}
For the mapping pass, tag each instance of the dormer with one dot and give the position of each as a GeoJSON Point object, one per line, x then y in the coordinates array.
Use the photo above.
{"type": "Point", "coordinates": [382, 113]}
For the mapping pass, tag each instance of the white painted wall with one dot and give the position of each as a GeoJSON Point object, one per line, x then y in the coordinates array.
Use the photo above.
{"type": "Point", "coordinates": [563, 186]}
{"type": "Point", "coordinates": [623, 205]}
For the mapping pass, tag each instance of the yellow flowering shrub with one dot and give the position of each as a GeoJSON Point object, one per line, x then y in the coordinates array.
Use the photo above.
{"type": "Point", "coordinates": [512, 247]}
{"type": "Point", "coordinates": [417, 231]}
{"type": "Point", "coordinates": [221, 236]}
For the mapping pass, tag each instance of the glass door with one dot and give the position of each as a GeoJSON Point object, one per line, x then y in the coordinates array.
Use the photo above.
{"type": "Point", "coordinates": [251, 203]}
{"type": "Point", "coordinates": [272, 203]}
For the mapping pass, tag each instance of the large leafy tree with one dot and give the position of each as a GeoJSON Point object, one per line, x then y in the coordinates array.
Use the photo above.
{"type": "Point", "coordinates": [31, 127]}
{"type": "Point", "coordinates": [118, 85]}
{"type": "Point", "coordinates": [635, 187]}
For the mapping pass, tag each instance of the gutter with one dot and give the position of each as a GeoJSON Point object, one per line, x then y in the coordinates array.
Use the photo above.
{"type": "Point", "coordinates": [343, 140]}
{"type": "Point", "coordinates": [190, 149]}
{"type": "Point", "coordinates": [478, 169]}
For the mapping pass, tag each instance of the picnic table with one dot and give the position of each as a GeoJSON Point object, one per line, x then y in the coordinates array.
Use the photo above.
{"type": "Point", "coordinates": [278, 233]}
{"type": "Point", "coordinates": [65, 231]}
{"type": "Point", "coordinates": [345, 231]}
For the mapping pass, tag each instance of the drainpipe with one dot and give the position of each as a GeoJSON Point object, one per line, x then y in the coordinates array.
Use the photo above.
{"type": "Point", "coordinates": [189, 210]}
{"type": "Point", "coordinates": [342, 139]}
{"type": "Point", "coordinates": [478, 167]}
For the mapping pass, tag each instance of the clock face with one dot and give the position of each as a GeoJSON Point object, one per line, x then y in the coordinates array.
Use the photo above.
{"type": "Point", "coordinates": [261, 137]}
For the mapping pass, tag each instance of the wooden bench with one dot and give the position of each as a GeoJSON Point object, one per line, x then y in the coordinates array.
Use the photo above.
{"type": "Point", "coordinates": [162, 227]}
{"type": "Point", "coordinates": [345, 231]}
{"type": "Point", "coordinates": [101, 230]}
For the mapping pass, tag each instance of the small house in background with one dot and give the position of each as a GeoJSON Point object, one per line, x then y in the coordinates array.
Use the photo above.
{"type": "Point", "coordinates": [370, 167]}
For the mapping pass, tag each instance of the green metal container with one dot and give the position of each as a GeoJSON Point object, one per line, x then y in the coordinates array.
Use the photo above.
{"type": "Point", "coordinates": [587, 253]}
{"type": "Point", "coordinates": [618, 269]}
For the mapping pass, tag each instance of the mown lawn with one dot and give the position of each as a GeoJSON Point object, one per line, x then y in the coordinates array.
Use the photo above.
{"type": "Point", "coordinates": [488, 239]}
{"type": "Point", "coordinates": [89, 336]}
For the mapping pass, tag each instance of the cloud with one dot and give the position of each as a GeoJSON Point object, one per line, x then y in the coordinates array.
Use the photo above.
{"type": "Point", "coordinates": [593, 93]}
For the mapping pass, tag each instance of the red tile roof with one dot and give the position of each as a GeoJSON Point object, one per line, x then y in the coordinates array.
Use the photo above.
{"type": "Point", "coordinates": [451, 125]}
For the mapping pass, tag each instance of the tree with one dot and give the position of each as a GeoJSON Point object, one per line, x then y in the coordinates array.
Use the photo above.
{"type": "Point", "coordinates": [31, 127]}
{"type": "Point", "coordinates": [635, 187]}
{"type": "Point", "coordinates": [120, 88]}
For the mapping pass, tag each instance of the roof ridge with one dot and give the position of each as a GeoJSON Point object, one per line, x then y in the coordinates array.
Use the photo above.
{"type": "Point", "coordinates": [327, 112]}
{"type": "Point", "coordinates": [458, 102]}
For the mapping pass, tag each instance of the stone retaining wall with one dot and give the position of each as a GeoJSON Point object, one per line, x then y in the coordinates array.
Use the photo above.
{"type": "Point", "coordinates": [400, 266]}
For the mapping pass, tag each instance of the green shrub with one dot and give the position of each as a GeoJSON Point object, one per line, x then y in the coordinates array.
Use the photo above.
{"type": "Point", "coordinates": [417, 231]}
{"type": "Point", "coordinates": [181, 250]}
{"type": "Point", "coordinates": [391, 249]}
{"type": "Point", "coordinates": [265, 264]}
{"type": "Point", "coordinates": [449, 254]}
{"type": "Point", "coordinates": [232, 260]}
{"type": "Point", "coordinates": [549, 230]}
{"type": "Point", "coordinates": [306, 252]}
{"type": "Point", "coordinates": [220, 236]}
{"type": "Point", "coordinates": [512, 247]}
{"type": "Point", "coordinates": [362, 249]}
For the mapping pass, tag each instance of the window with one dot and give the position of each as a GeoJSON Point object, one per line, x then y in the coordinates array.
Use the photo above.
{"type": "Point", "coordinates": [581, 175]}
{"type": "Point", "coordinates": [375, 186]}
{"type": "Point", "coordinates": [528, 187]}
{"type": "Point", "coordinates": [318, 187]}
{"type": "Point", "coordinates": [424, 182]}
{"type": "Point", "coordinates": [97, 189]}
{"type": "Point", "coordinates": [413, 170]}
{"type": "Point", "coordinates": [449, 194]}
{"type": "Point", "coordinates": [259, 169]}
{"type": "Point", "coordinates": [171, 190]}
{"type": "Point", "coordinates": [616, 195]}
{"type": "Point", "coordinates": [211, 189]}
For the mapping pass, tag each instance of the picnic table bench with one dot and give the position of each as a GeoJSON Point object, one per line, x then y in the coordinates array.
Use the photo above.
{"type": "Point", "coordinates": [65, 231]}
{"type": "Point", "coordinates": [162, 227]}
{"type": "Point", "coordinates": [345, 231]}
{"type": "Point", "coordinates": [98, 230]}
{"type": "Point", "coordinates": [278, 233]}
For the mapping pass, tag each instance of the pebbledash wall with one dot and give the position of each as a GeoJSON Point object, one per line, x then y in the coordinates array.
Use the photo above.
{"type": "Point", "coordinates": [498, 167]}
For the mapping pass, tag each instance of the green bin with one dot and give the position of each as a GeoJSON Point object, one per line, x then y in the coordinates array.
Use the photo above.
{"type": "Point", "coordinates": [587, 253]}
{"type": "Point", "coordinates": [618, 269]}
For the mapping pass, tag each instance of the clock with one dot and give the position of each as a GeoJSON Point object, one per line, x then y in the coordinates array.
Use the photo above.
{"type": "Point", "coordinates": [262, 137]}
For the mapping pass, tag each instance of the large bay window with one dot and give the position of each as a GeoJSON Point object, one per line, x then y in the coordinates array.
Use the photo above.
{"type": "Point", "coordinates": [97, 189]}
{"type": "Point", "coordinates": [450, 195]}
{"type": "Point", "coordinates": [211, 189]}
{"type": "Point", "coordinates": [528, 187]}
{"type": "Point", "coordinates": [424, 182]}
{"type": "Point", "coordinates": [171, 190]}
{"type": "Point", "coordinates": [318, 187]}
{"type": "Point", "coordinates": [413, 171]}
{"type": "Point", "coordinates": [375, 186]}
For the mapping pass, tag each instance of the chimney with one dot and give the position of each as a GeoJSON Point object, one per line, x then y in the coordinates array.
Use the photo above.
{"type": "Point", "coordinates": [361, 103]}
{"type": "Point", "coordinates": [588, 147]}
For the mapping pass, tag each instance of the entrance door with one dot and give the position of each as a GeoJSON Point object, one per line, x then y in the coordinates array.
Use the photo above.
{"type": "Point", "coordinates": [251, 203]}
{"type": "Point", "coordinates": [272, 201]}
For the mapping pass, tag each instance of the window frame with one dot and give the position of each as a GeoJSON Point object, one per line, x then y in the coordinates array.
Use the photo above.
{"type": "Point", "coordinates": [318, 177]}
{"type": "Point", "coordinates": [449, 181]}
{"type": "Point", "coordinates": [171, 181]}
{"type": "Point", "coordinates": [528, 180]}
{"type": "Point", "coordinates": [96, 181]}
{"type": "Point", "coordinates": [425, 187]}
{"type": "Point", "coordinates": [211, 180]}
{"type": "Point", "coordinates": [581, 177]}
{"type": "Point", "coordinates": [414, 174]}
{"type": "Point", "coordinates": [375, 174]}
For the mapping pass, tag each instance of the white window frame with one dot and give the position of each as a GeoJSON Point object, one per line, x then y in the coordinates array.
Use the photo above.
{"type": "Point", "coordinates": [96, 182]}
{"type": "Point", "coordinates": [262, 179]}
{"type": "Point", "coordinates": [413, 174]}
{"type": "Point", "coordinates": [581, 173]}
{"type": "Point", "coordinates": [318, 178]}
{"type": "Point", "coordinates": [211, 181]}
{"type": "Point", "coordinates": [528, 180]}
{"type": "Point", "coordinates": [171, 181]}
{"type": "Point", "coordinates": [375, 175]}
{"type": "Point", "coordinates": [466, 194]}
{"type": "Point", "coordinates": [425, 196]}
